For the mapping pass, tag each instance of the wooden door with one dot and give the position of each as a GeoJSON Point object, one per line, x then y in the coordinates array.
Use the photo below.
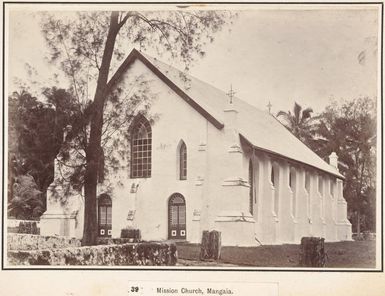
{"type": "Point", "coordinates": [104, 216]}
{"type": "Point", "coordinates": [177, 217]}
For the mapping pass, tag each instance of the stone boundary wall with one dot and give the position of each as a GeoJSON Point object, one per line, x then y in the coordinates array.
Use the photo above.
{"type": "Point", "coordinates": [114, 241]}
{"type": "Point", "coordinates": [17, 241]}
{"type": "Point", "coordinates": [16, 222]}
{"type": "Point", "coordinates": [150, 254]}
{"type": "Point", "coordinates": [23, 226]}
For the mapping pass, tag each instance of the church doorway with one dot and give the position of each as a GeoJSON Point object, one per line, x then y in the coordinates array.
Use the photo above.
{"type": "Point", "coordinates": [176, 217]}
{"type": "Point", "coordinates": [104, 215]}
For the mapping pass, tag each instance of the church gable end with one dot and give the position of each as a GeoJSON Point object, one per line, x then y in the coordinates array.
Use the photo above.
{"type": "Point", "coordinates": [136, 55]}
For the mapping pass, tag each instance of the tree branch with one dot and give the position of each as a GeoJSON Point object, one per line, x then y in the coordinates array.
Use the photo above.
{"type": "Point", "coordinates": [124, 20]}
{"type": "Point", "coordinates": [70, 62]}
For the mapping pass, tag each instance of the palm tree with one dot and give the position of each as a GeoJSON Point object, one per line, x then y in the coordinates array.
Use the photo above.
{"type": "Point", "coordinates": [299, 123]}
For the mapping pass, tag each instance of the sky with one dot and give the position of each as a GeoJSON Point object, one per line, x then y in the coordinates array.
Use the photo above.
{"type": "Point", "coordinates": [278, 54]}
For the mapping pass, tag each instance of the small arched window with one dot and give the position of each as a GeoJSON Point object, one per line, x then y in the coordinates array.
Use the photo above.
{"type": "Point", "coordinates": [141, 138]}
{"type": "Point", "coordinates": [321, 192]}
{"type": "Point", "coordinates": [307, 182]}
{"type": "Point", "coordinates": [272, 177]}
{"type": "Point", "coordinates": [182, 161]}
{"type": "Point", "coordinates": [308, 199]}
{"type": "Point", "coordinates": [320, 185]}
{"type": "Point", "coordinates": [251, 183]}
{"type": "Point", "coordinates": [332, 186]}
{"type": "Point", "coordinates": [293, 187]}
{"type": "Point", "coordinates": [291, 179]}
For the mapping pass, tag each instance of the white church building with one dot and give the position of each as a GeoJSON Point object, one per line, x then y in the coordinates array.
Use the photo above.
{"type": "Point", "coordinates": [210, 161]}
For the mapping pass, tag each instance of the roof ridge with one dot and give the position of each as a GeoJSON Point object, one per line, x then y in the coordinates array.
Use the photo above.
{"type": "Point", "coordinates": [201, 81]}
{"type": "Point", "coordinates": [263, 131]}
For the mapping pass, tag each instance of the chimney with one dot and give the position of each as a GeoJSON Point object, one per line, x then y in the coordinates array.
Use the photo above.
{"type": "Point", "coordinates": [333, 160]}
{"type": "Point", "coordinates": [230, 111]}
{"type": "Point", "coordinates": [231, 114]}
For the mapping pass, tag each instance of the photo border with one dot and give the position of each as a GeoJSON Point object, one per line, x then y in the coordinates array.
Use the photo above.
{"type": "Point", "coordinates": [241, 269]}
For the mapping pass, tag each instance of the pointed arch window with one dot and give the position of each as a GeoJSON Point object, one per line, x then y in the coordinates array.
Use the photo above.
{"type": "Point", "coordinates": [183, 161]}
{"type": "Point", "coordinates": [308, 195]}
{"type": "Point", "coordinates": [293, 187]}
{"type": "Point", "coordinates": [320, 185]}
{"type": "Point", "coordinates": [141, 141]}
{"type": "Point", "coordinates": [332, 187]}
{"type": "Point", "coordinates": [272, 177]}
{"type": "Point", "coordinates": [251, 183]}
{"type": "Point", "coordinates": [307, 182]}
{"type": "Point", "coordinates": [321, 192]}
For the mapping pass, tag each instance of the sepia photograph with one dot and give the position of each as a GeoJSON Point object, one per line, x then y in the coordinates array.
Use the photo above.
{"type": "Point", "coordinates": [213, 137]}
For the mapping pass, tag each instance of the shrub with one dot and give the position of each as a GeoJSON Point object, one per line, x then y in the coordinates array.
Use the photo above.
{"type": "Point", "coordinates": [29, 227]}
{"type": "Point", "coordinates": [131, 233]}
{"type": "Point", "coordinates": [26, 202]}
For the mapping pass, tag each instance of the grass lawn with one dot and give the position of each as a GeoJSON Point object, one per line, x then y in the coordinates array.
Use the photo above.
{"type": "Point", "coordinates": [352, 254]}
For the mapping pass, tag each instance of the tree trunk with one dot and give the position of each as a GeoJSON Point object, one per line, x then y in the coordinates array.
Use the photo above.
{"type": "Point", "coordinates": [358, 223]}
{"type": "Point", "coordinates": [205, 246]}
{"type": "Point", "coordinates": [215, 244]}
{"type": "Point", "coordinates": [93, 149]}
{"type": "Point", "coordinates": [312, 252]}
{"type": "Point", "coordinates": [210, 245]}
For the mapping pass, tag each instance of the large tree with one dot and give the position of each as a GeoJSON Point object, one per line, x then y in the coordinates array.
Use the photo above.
{"type": "Point", "coordinates": [35, 137]}
{"type": "Point", "coordinates": [89, 45]}
{"type": "Point", "coordinates": [349, 129]}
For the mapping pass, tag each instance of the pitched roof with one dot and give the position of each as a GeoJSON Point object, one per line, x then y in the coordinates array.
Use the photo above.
{"type": "Point", "coordinates": [259, 128]}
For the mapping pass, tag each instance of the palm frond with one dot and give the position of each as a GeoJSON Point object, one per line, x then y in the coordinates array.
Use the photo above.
{"type": "Point", "coordinates": [297, 112]}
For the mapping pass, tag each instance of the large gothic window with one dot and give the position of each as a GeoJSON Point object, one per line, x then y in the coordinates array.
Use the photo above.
{"type": "Point", "coordinates": [183, 161]}
{"type": "Point", "coordinates": [141, 137]}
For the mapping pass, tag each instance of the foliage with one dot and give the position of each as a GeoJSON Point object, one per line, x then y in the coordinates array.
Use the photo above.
{"type": "Point", "coordinates": [35, 135]}
{"type": "Point", "coordinates": [77, 41]}
{"type": "Point", "coordinates": [26, 202]}
{"type": "Point", "coordinates": [300, 122]}
{"type": "Point", "coordinates": [28, 227]}
{"type": "Point", "coordinates": [349, 129]}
